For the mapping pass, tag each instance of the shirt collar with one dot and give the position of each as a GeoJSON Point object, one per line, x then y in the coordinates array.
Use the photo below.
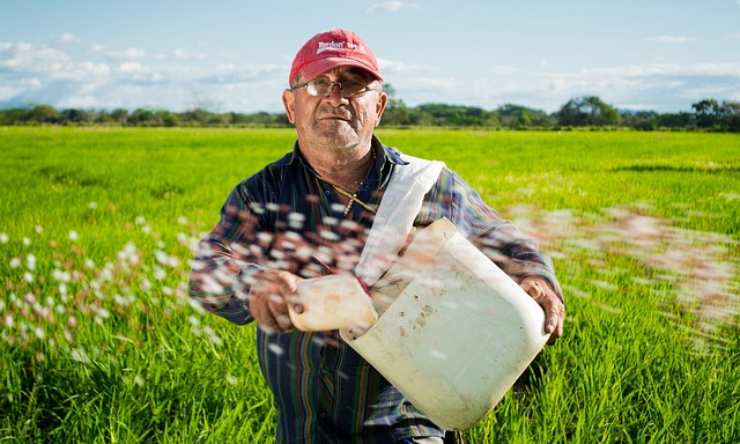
{"type": "Point", "coordinates": [388, 153]}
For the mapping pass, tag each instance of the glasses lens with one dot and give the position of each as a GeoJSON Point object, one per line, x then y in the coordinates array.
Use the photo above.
{"type": "Point", "coordinates": [323, 87]}
{"type": "Point", "coordinates": [351, 87]}
{"type": "Point", "coordinates": [319, 87]}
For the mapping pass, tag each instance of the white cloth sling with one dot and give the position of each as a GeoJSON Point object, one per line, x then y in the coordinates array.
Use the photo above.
{"type": "Point", "coordinates": [395, 217]}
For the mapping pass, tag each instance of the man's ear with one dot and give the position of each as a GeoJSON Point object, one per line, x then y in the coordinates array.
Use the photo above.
{"type": "Point", "coordinates": [380, 106]}
{"type": "Point", "coordinates": [289, 105]}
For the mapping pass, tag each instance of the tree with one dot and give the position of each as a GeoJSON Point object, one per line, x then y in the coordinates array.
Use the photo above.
{"type": "Point", "coordinates": [12, 116]}
{"type": "Point", "coordinates": [119, 115]}
{"type": "Point", "coordinates": [587, 111]}
{"type": "Point", "coordinates": [708, 113]}
{"type": "Point", "coordinates": [281, 119]}
{"type": "Point", "coordinates": [74, 115]}
{"type": "Point", "coordinates": [167, 118]}
{"type": "Point", "coordinates": [396, 112]}
{"type": "Point", "coordinates": [390, 90]}
{"type": "Point", "coordinates": [453, 115]}
{"type": "Point", "coordinates": [491, 119]}
{"type": "Point", "coordinates": [518, 116]}
{"type": "Point", "coordinates": [43, 114]}
{"type": "Point", "coordinates": [676, 120]}
{"type": "Point", "coordinates": [641, 120]}
{"type": "Point", "coordinates": [730, 116]}
{"type": "Point", "coordinates": [142, 117]}
{"type": "Point", "coordinates": [103, 117]}
{"type": "Point", "coordinates": [196, 116]}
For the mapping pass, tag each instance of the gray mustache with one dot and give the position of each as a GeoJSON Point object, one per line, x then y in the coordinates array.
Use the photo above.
{"type": "Point", "coordinates": [343, 113]}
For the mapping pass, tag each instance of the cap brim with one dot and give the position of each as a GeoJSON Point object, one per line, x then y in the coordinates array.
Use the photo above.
{"type": "Point", "coordinates": [313, 69]}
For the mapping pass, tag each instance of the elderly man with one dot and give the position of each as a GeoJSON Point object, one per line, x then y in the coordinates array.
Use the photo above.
{"type": "Point", "coordinates": [309, 212]}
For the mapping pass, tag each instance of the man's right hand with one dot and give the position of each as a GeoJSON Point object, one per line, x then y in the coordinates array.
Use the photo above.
{"type": "Point", "coordinates": [269, 297]}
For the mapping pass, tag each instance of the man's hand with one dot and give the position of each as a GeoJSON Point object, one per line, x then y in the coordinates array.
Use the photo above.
{"type": "Point", "coordinates": [269, 297]}
{"type": "Point", "coordinates": [543, 294]}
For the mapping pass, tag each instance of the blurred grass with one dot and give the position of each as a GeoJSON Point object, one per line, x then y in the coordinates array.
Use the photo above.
{"type": "Point", "coordinates": [624, 372]}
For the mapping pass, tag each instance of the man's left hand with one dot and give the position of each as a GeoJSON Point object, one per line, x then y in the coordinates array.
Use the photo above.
{"type": "Point", "coordinates": [544, 295]}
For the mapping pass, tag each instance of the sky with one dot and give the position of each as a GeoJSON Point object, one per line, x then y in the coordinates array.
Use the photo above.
{"type": "Point", "coordinates": [236, 55]}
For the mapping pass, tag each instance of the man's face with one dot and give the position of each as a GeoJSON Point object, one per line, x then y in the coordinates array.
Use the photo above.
{"type": "Point", "coordinates": [335, 122]}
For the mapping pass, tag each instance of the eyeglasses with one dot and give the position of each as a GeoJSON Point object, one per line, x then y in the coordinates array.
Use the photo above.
{"type": "Point", "coordinates": [323, 87]}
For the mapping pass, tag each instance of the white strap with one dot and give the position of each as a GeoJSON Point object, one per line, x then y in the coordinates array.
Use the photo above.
{"type": "Point", "coordinates": [396, 214]}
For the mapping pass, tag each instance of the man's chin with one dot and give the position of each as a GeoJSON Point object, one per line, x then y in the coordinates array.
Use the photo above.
{"type": "Point", "coordinates": [339, 138]}
{"type": "Point", "coordinates": [340, 143]}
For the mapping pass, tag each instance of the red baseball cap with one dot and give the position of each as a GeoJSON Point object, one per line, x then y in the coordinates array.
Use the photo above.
{"type": "Point", "coordinates": [328, 50]}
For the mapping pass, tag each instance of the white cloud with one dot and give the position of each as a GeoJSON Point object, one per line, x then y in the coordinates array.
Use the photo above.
{"type": "Point", "coordinates": [672, 39]}
{"type": "Point", "coordinates": [8, 92]}
{"type": "Point", "coordinates": [391, 67]}
{"type": "Point", "coordinates": [228, 74]}
{"type": "Point", "coordinates": [129, 66]}
{"type": "Point", "coordinates": [127, 54]}
{"type": "Point", "coordinates": [668, 69]}
{"type": "Point", "coordinates": [503, 70]}
{"type": "Point", "coordinates": [181, 54]}
{"type": "Point", "coordinates": [68, 38]}
{"type": "Point", "coordinates": [391, 6]}
{"type": "Point", "coordinates": [112, 77]}
{"type": "Point", "coordinates": [134, 72]}
{"type": "Point", "coordinates": [79, 102]}
{"type": "Point", "coordinates": [30, 82]}
{"type": "Point", "coordinates": [662, 87]}
{"type": "Point", "coordinates": [673, 86]}
{"type": "Point", "coordinates": [640, 106]}
{"type": "Point", "coordinates": [94, 69]}
{"type": "Point", "coordinates": [21, 56]}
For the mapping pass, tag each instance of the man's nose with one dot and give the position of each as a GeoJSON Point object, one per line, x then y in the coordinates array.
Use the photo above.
{"type": "Point", "coordinates": [335, 96]}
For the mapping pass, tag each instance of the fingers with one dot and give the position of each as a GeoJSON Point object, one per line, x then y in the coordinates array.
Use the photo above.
{"type": "Point", "coordinates": [559, 329]}
{"type": "Point", "coordinates": [554, 316]}
{"type": "Point", "coordinates": [288, 281]}
{"type": "Point", "coordinates": [289, 284]}
{"type": "Point", "coordinates": [261, 313]}
{"type": "Point", "coordinates": [281, 282]}
{"type": "Point", "coordinates": [550, 303]}
{"type": "Point", "coordinates": [269, 296]}
{"type": "Point", "coordinates": [551, 315]}
{"type": "Point", "coordinates": [278, 302]}
{"type": "Point", "coordinates": [279, 311]}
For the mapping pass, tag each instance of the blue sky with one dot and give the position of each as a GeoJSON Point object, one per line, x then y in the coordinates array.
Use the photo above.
{"type": "Point", "coordinates": [235, 55]}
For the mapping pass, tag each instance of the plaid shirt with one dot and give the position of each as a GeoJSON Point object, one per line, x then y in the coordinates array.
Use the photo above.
{"type": "Point", "coordinates": [281, 217]}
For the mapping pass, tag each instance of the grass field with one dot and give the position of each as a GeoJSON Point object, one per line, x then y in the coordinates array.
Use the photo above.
{"type": "Point", "coordinates": [98, 341]}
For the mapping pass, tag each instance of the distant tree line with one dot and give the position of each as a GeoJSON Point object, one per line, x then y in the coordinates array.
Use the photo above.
{"type": "Point", "coordinates": [45, 114]}
{"type": "Point", "coordinates": [587, 111]}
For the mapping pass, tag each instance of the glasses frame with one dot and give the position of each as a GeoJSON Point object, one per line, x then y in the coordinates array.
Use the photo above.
{"type": "Point", "coordinates": [311, 89]}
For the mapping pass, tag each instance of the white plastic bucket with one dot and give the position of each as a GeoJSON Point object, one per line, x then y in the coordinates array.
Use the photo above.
{"type": "Point", "coordinates": [458, 331]}
{"type": "Point", "coordinates": [332, 302]}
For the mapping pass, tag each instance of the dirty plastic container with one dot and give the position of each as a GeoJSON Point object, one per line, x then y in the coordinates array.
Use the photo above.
{"type": "Point", "coordinates": [332, 302]}
{"type": "Point", "coordinates": [454, 332]}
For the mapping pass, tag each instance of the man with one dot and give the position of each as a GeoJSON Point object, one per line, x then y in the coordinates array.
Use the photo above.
{"type": "Point", "coordinates": [309, 213]}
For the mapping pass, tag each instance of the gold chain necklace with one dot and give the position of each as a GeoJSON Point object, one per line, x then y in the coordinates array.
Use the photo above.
{"type": "Point", "coordinates": [350, 195]}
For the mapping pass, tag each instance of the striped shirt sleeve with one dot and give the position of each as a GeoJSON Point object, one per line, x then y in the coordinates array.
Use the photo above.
{"type": "Point", "coordinates": [512, 251]}
{"type": "Point", "coordinates": [223, 266]}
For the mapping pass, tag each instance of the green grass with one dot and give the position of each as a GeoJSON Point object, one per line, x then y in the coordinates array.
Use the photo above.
{"type": "Point", "coordinates": [637, 363]}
